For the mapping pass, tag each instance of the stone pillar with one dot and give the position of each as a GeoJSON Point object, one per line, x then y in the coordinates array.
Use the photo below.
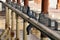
{"type": "Point", "coordinates": [26, 2]}
{"type": "Point", "coordinates": [44, 10]}
{"type": "Point", "coordinates": [13, 22]}
{"type": "Point", "coordinates": [44, 7]}
{"type": "Point", "coordinates": [24, 30]}
{"type": "Point", "coordinates": [58, 4]}
{"type": "Point", "coordinates": [18, 2]}
{"type": "Point", "coordinates": [18, 24]}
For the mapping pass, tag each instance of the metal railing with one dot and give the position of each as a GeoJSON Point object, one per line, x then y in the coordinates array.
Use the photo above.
{"type": "Point", "coordinates": [15, 13]}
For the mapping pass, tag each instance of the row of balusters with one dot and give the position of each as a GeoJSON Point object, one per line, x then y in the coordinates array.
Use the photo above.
{"type": "Point", "coordinates": [41, 17]}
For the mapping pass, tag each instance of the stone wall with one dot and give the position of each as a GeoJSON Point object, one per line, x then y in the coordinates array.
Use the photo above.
{"type": "Point", "coordinates": [37, 1]}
